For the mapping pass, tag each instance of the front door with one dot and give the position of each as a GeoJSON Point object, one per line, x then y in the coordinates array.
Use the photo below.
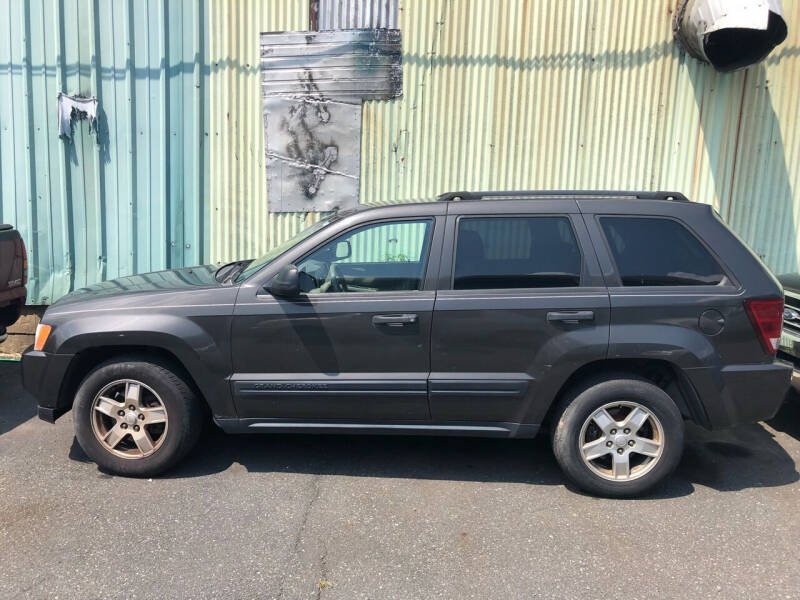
{"type": "Point", "coordinates": [526, 306]}
{"type": "Point", "coordinates": [355, 345]}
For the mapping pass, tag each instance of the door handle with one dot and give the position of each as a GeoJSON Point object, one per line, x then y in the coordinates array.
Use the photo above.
{"type": "Point", "coordinates": [571, 317]}
{"type": "Point", "coordinates": [394, 320]}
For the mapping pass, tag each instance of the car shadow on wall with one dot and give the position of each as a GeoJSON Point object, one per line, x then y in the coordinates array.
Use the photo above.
{"type": "Point", "coordinates": [745, 457]}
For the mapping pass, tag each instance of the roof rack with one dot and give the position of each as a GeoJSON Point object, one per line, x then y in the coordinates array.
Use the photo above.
{"type": "Point", "coordinates": [522, 194]}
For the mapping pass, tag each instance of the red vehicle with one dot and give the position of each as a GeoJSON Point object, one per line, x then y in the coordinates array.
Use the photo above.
{"type": "Point", "coordinates": [13, 277]}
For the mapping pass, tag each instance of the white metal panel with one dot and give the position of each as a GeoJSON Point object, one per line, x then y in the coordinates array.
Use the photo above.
{"type": "Point", "coordinates": [358, 14]}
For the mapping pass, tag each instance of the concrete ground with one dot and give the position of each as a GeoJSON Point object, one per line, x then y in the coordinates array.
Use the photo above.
{"type": "Point", "coordinates": [391, 517]}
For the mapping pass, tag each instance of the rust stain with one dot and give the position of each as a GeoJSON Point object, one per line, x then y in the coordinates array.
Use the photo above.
{"type": "Point", "coordinates": [304, 145]}
{"type": "Point", "coordinates": [736, 145]}
{"type": "Point", "coordinates": [698, 150]}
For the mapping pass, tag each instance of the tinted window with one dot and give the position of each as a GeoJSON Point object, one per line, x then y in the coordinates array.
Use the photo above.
{"type": "Point", "coordinates": [653, 251]}
{"type": "Point", "coordinates": [383, 257]}
{"type": "Point", "coordinates": [516, 252]}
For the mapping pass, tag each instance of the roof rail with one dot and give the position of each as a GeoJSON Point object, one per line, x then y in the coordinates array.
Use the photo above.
{"type": "Point", "coordinates": [452, 196]}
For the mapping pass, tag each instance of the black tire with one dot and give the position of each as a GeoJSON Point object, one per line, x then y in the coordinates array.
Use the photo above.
{"type": "Point", "coordinates": [582, 402]}
{"type": "Point", "coordinates": [184, 410]}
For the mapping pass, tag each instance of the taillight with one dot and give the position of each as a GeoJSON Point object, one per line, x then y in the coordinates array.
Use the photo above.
{"type": "Point", "coordinates": [767, 319]}
{"type": "Point", "coordinates": [24, 262]}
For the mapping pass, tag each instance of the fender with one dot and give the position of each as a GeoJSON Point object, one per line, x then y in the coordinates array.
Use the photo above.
{"type": "Point", "coordinates": [687, 352]}
{"type": "Point", "coordinates": [679, 345]}
{"type": "Point", "coordinates": [200, 343]}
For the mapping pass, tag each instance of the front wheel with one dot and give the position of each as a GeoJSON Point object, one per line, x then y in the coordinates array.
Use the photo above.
{"type": "Point", "coordinates": [136, 418]}
{"type": "Point", "coordinates": [618, 437]}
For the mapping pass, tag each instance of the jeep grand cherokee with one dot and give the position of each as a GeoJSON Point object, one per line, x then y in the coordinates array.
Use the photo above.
{"type": "Point", "coordinates": [608, 318]}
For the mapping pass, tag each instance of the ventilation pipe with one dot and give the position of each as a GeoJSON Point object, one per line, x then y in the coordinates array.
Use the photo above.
{"type": "Point", "coordinates": [729, 34]}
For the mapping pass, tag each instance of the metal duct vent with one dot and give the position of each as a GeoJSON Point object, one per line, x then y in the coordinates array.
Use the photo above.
{"type": "Point", "coordinates": [730, 34]}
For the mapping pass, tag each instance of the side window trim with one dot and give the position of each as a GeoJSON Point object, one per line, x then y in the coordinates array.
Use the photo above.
{"type": "Point", "coordinates": [599, 237]}
{"type": "Point", "coordinates": [428, 252]}
{"type": "Point", "coordinates": [454, 230]}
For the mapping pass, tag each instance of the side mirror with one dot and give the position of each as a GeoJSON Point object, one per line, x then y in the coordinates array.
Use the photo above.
{"type": "Point", "coordinates": [343, 250]}
{"type": "Point", "coordinates": [286, 283]}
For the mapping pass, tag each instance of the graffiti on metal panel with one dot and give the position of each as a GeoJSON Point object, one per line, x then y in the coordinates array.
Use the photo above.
{"type": "Point", "coordinates": [318, 155]}
{"type": "Point", "coordinates": [312, 87]}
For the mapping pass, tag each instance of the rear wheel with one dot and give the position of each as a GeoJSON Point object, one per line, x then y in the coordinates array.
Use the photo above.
{"type": "Point", "coordinates": [618, 437]}
{"type": "Point", "coordinates": [136, 418]}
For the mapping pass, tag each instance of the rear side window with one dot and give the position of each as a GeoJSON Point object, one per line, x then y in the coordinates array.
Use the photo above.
{"type": "Point", "coordinates": [516, 252]}
{"type": "Point", "coordinates": [658, 251]}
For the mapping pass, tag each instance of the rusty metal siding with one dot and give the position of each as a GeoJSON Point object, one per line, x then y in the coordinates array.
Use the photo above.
{"type": "Point", "coordinates": [128, 197]}
{"type": "Point", "coordinates": [358, 14]}
{"type": "Point", "coordinates": [551, 94]}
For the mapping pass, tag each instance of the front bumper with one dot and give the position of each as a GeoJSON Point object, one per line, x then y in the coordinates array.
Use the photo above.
{"type": "Point", "coordinates": [42, 376]}
{"type": "Point", "coordinates": [740, 394]}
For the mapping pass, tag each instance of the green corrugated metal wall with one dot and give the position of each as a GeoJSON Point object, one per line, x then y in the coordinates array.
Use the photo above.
{"type": "Point", "coordinates": [132, 196]}
{"type": "Point", "coordinates": [501, 94]}
{"type": "Point", "coordinates": [241, 226]}
{"type": "Point", "coordinates": [545, 94]}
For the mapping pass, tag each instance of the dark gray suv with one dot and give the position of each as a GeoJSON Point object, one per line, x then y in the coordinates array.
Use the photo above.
{"type": "Point", "coordinates": [608, 318]}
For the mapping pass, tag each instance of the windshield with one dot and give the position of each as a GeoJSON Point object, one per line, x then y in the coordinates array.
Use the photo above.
{"type": "Point", "coordinates": [281, 248]}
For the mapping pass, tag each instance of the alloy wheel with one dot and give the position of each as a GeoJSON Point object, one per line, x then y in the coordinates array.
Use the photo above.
{"type": "Point", "coordinates": [621, 441]}
{"type": "Point", "coordinates": [129, 419]}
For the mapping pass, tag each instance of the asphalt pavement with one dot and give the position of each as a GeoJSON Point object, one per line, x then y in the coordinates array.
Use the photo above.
{"type": "Point", "coordinates": [298, 516]}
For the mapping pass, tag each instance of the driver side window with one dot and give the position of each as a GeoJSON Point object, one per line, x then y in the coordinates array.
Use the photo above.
{"type": "Point", "coordinates": [381, 257]}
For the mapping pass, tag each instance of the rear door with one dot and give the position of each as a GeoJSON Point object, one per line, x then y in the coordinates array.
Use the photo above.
{"type": "Point", "coordinates": [521, 305]}
{"type": "Point", "coordinates": [673, 298]}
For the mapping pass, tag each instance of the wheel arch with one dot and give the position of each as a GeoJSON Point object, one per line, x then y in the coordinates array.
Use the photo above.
{"type": "Point", "coordinates": [664, 374]}
{"type": "Point", "coordinates": [89, 358]}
